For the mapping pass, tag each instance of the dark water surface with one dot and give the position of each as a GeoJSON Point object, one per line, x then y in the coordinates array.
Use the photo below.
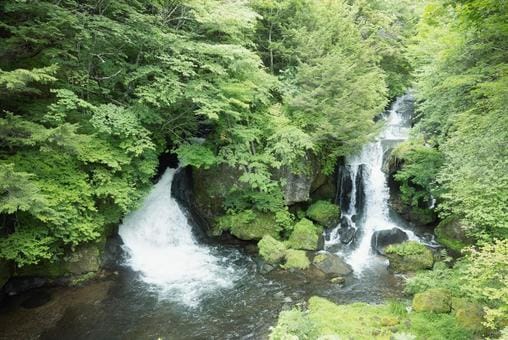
{"type": "Point", "coordinates": [122, 306]}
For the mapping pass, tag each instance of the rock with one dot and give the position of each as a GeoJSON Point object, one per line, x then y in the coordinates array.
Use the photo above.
{"type": "Point", "coordinates": [436, 300]}
{"type": "Point", "coordinates": [417, 215]}
{"type": "Point", "coordinates": [298, 186]}
{"type": "Point", "coordinates": [250, 225]}
{"type": "Point", "coordinates": [296, 259]}
{"type": "Point", "coordinates": [324, 187]}
{"type": "Point", "coordinates": [383, 238]}
{"type": "Point", "coordinates": [409, 256]}
{"type": "Point", "coordinates": [306, 236]}
{"type": "Point", "coordinates": [469, 315]}
{"type": "Point", "coordinates": [209, 189]}
{"type": "Point", "coordinates": [347, 232]}
{"type": "Point", "coordinates": [450, 233]}
{"type": "Point", "coordinates": [338, 280]}
{"type": "Point", "coordinates": [324, 213]}
{"type": "Point", "coordinates": [85, 259]}
{"type": "Point", "coordinates": [345, 187]}
{"type": "Point", "coordinates": [331, 264]}
{"type": "Point", "coordinates": [271, 250]}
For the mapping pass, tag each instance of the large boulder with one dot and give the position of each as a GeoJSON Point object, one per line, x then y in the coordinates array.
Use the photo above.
{"type": "Point", "coordinates": [409, 256]}
{"type": "Point", "coordinates": [347, 232]}
{"type": "Point", "coordinates": [450, 233]}
{"type": "Point", "coordinates": [324, 213]}
{"type": "Point", "coordinates": [436, 300]}
{"type": "Point", "coordinates": [383, 238]}
{"type": "Point", "coordinates": [306, 236]}
{"type": "Point", "coordinates": [331, 264]}
{"type": "Point", "coordinates": [209, 189]}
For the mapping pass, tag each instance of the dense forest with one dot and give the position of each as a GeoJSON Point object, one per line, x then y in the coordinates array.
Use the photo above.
{"type": "Point", "coordinates": [96, 94]}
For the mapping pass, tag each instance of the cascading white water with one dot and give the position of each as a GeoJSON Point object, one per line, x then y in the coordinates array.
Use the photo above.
{"type": "Point", "coordinates": [376, 192]}
{"type": "Point", "coordinates": [160, 245]}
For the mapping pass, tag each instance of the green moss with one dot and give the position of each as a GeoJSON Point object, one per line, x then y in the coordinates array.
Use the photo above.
{"type": "Point", "coordinates": [324, 213]}
{"type": "Point", "coordinates": [469, 315]}
{"type": "Point", "coordinates": [250, 225]}
{"type": "Point", "coordinates": [436, 300]}
{"type": "Point", "coordinates": [305, 236]}
{"type": "Point", "coordinates": [81, 279]}
{"type": "Point", "coordinates": [450, 234]}
{"type": "Point", "coordinates": [271, 250]}
{"type": "Point", "coordinates": [326, 320]}
{"type": "Point", "coordinates": [409, 256]}
{"type": "Point", "coordinates": [296, 259]}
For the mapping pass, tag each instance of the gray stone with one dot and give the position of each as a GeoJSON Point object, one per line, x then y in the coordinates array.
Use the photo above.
{"type": "Point", "coordinates": [383, 238]}
{"type": "Point", "coordinates": [331, 264]}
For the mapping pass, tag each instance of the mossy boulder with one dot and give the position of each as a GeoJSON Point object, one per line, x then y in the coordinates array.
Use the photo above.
{"type": "Point", "coordinates": [409, 256]}
{"type": "Point", "coordinates": [435, 300]}
{"type": "Point", "coordinates": [306, 236]}
{"type": "Point", "coordinates": [450, 233]}
{"type": "Point", "coordinates": [250, 225]}
{"type": "Point", "coordinates": [271, 250]}
{"type": "Point", "coordinates": [324, 213]}
{"type": "Point", "coordinates": [469, 315]}
{"type": "Point", "coordinates": [296, 259]}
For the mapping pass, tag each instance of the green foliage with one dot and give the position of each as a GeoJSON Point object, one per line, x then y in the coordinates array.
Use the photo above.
{"type": "Point", "coordinates": [325, 213]}
{"type": "Point", "coordinates": [434, 300]}
{"type": "Point", "coordinates": [419, 165]}
{"type": "Point", "coordinates": [480, 276]}
{"type": "Point", "coordinates": [406, 248]}
{"type": "Point", "coordinates": [324, 319]}
{"type": "Point", "coordinates": [196, 155]}
{"type": "Point", "coordinates": [461, 73]}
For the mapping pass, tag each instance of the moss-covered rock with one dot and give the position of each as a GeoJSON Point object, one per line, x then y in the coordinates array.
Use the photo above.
{"type": "Point", "coordinates": [324, 213]}
{"type": "Point", "coordinates": [450, 233]}
{"type": "Point", "coordinates": [469, 315]}
{"type": "Point", "coordinates": [409, 256]}
{"type": "Point", "coordinates": [296, 259]}
{"type": "Point", "coordinates": [250, 225]}
{"type": "Point", "coordinates": [84, 259]}
{"type": "Point", "coordinates": [305, 236]}
{"type": "Point", "coordinates": [271, 250]}
{"type": "Point", "coordinates": [436, 300]}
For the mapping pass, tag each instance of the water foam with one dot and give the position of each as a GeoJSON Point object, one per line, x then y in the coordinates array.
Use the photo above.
{"type": "Point", "coordinates": [160, 245]}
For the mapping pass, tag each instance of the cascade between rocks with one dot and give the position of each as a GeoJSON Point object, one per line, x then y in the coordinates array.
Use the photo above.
{"type": "Point", "coordinates": [160, 245]}
{"type": "Point", "coordinates": [364, 193]}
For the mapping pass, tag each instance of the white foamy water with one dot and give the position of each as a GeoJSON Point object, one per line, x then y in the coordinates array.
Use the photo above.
{"type": "Point", "coordinates": [376, 211]}
{"type": "Point", "coordinates": [161, 246]}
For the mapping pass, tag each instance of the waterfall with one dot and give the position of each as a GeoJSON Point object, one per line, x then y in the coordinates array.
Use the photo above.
{"type": "Point", "coordinates": [160, 245]}
{"type": "Point", "coordinates": [373, 213]}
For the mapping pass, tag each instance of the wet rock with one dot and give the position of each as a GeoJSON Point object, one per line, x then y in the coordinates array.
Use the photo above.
{"type": "Point", "coordinates": [36, 299]}
{"type": "Point", "coordinates": [331, 264]}
{"type": "Point", "coordinates": [345, 187]}
{"type": "Point", "coordinates": [383, 238]}
{"type": "Point", "coordinates": [347, 232]}
{"type": "Point", "coordinates": [436, 300]}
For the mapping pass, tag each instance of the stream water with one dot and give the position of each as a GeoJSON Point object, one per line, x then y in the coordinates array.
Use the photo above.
{"type": "Point", "coordinates": [168, 285]}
